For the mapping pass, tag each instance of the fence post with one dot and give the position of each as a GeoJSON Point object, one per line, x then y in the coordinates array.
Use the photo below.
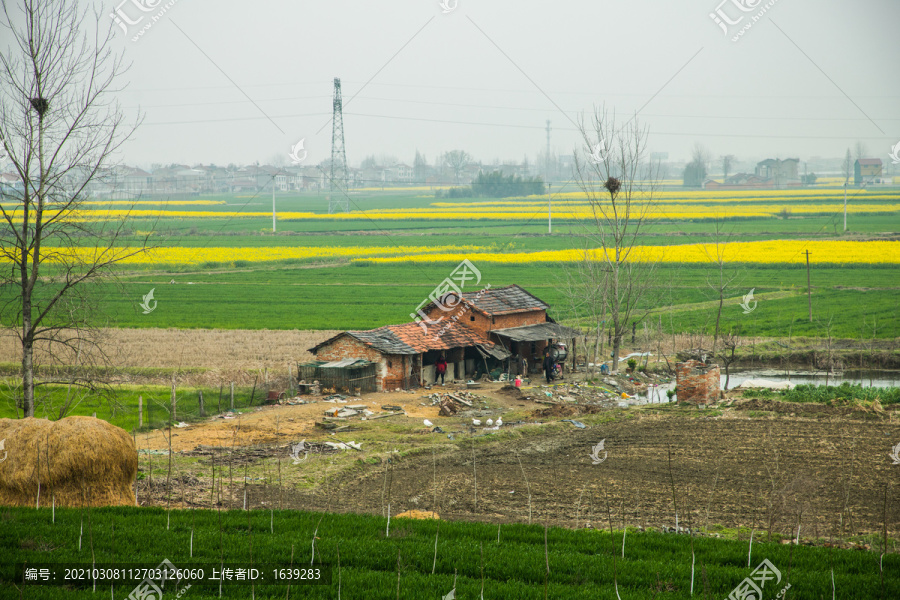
{"type": "Point", "coordinates": [232, 395]}
{"type": "Point", "coordinates": [140, 411]}
{"type": "Point", "coordinates": [202, 411]}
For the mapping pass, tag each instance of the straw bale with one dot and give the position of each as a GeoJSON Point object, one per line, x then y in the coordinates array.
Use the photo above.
{"type": "Point", "coordinates": [79, 461]}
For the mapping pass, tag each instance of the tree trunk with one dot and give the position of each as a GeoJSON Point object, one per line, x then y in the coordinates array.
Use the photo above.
{"type": "Point", "coordinates": [617, 340]}
{"type": "Point", "coordinates": [28, 375]}
{"type": "Point", "coordinates": [27, 348]}
{"type": "Point", "coordinates": [718, 318]}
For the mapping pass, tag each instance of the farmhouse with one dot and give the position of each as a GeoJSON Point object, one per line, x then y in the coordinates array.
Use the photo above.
{"type": "Point", "coordinates": [865, 170]}
{"type": "Point", "coordinates": [780, 172]}
{"type": "Point", "coordinates": [504, 328]}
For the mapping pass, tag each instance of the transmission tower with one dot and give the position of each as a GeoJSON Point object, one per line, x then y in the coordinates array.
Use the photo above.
{"type": "Point", "coordinates": [338, 201]}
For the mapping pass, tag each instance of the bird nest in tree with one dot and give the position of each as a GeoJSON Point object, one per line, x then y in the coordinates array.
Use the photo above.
{"type": "Point", "coordinates": [613, 185]}
{"type": "Point", "coordinates": [40, 105]}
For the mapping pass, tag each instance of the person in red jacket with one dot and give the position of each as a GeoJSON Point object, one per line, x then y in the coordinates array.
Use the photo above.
{"type": "Point", "coordinates": [440, 368]}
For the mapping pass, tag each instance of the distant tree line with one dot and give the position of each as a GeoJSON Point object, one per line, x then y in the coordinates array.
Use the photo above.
{"type": "Point", "coordinates": [496, 185]}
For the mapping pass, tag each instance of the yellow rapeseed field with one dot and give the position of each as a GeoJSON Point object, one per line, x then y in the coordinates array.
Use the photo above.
{"type": "Point", "coordinates": [772, 251]}
{"type": "Point", "coordinates": [513, 211]}
{"type": "Point", "coordinates": [190, 256]}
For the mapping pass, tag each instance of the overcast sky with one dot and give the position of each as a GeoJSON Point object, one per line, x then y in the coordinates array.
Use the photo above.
{"type": "Point", "coordinates": [225, 81]}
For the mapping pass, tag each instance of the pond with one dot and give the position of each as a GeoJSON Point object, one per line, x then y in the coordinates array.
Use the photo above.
{"type": "Point", "coordinates": [866, 377]}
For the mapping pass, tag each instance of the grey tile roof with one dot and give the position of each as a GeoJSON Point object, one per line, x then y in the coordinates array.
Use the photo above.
{"type": "Point", "coordinates": [384, 340]}
{"type": "Point", "coordinates": [537, 332]}
{"type": "Point", "coordinates": [504, 300]}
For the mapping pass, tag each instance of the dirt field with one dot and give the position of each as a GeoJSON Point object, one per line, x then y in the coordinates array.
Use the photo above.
{"type": "Point", "coordinates": [224, 352]}
{"type": "Point", "coordinates": [760, 464]}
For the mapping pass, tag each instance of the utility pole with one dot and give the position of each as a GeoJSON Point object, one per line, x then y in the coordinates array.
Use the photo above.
{"type": "Point", "coordinates": [547, 156]}
{"type": "Point", "coordinates": [845, 206]}
{"type": "Point", "coordinates": [549, 211]}
{"type": "Point", "coordinates": [273, 204]}
{"type": "Point", "coordinates": [808, 288]}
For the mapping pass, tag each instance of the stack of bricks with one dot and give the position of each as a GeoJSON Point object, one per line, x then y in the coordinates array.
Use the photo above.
{"type": "Point", "coordinates": [697, 382]}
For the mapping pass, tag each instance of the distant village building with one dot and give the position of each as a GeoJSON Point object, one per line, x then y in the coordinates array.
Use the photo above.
{"type": "Point", "coordinates": [779, 172]}
{"type": "Point", "coordinates": [503, 328]}
{"type": "Point", "coordinates": [740, 181]}
{"type": "Point", "coordinates": [11, 183]}
{"type": "Point", "coordinates": [866, 170]}
{"type": "Point", "coordinates": [770, 174]}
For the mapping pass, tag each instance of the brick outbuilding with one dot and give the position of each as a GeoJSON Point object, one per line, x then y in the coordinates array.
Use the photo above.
{"type": "Point", "coordinates": [474, 331]}
{"type": "Point", "coordinates": [697, 382]}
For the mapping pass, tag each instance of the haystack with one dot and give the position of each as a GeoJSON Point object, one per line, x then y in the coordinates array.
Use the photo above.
{"type": "Point", "coordinates": [79, 461]}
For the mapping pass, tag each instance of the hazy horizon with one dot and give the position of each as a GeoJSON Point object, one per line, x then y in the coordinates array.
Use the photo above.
{"type": "Point", "coordinates": [805, 81]}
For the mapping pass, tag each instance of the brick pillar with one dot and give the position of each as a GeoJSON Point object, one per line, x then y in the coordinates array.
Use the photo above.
{"type": "Point", "coordinates": [697, 382]}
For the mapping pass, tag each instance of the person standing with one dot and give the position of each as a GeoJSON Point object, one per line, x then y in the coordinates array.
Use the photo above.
{"type": "Point", "coordinates": [440, 368]}
{"type": "Point", "coordinates": [548, 366]}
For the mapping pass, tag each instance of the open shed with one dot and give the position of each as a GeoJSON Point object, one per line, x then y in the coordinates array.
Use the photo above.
{"type": "Point", "coordinates": [348, 374]}
{"type": "Point", "coordinates": [527, 342]}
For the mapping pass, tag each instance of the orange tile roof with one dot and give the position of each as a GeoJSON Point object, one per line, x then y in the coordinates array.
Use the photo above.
{"type": "Point", "coordinates": [456, 335]}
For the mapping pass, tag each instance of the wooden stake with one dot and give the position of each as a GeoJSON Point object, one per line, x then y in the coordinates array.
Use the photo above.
{"type": "Point", "coordinates": [232, 395]}
{"type": "Point", "coordinates": [140, 412]}
{"type": "Point", "coordinates": [481, 551]}
{"type": "Point", "coordinates": [288, 592]}
{"type": "Point", "coordinates": [474, 476]}
{"type": "Point", "coordinates": [547, 562]}
{"type": "Point", "coordinates": [436, 534]}
{"type": "Point", "coordinates": [527, 486]}
{"type": "Point", "coordinates": [338, 544]}
{"type": "Point", "coordinates": [750, 549]}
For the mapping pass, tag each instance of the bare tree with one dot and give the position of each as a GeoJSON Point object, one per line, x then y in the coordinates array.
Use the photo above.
{"type": "Point", "coordinates": [457, 160]}
{"type": "Point", "coordinates": [847, 167]}
{"type": "Point", "coordinates": [727, 161]}
{"type": "Point", "coordinates": [721, 280]}
{"type": "Point", "coordinates": [60, 124]}
{"type": "Point", "coordinates": [696, 170]}
{"type": "Point", "coordinates": [420, 168]}
{"type": "Point", "coordinates": [731, 341]}
{"type": "Point", "coordinates": [620, 186]}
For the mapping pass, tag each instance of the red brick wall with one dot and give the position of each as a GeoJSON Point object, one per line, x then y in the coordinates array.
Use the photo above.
{"type": "Point", "coordinates": [697, 382]}
{"type": "Point", "coordinates": [484, 323]}
{"type": "Point", "coordinates": [519, 319]}
{"type": "Point", "coordinates": [388, 376]}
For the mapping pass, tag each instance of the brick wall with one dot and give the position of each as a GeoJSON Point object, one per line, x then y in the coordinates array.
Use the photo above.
{"type": "Point", "coordinates": [391, 369]}
{"type": "Point", "coordinates": [697, 382]}
{"type": "Point", "coordinates": [482, 323]}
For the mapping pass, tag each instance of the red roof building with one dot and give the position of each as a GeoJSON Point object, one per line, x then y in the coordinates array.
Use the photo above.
{"type": "Point", "coordinates": [484, 330]}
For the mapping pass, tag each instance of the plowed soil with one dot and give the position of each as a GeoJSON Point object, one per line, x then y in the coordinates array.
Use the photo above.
{"type": "Point", "coordinates": [834, 477]}
{"type": "Point", "coordinates": [759, 464]}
